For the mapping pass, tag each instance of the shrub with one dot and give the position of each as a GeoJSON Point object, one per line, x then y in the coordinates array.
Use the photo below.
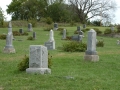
{"type": "Point", "coordinates": [49, 20]}
{"type": "Point", "coordinates": [100, 43]}
{"type": "Point", "coordinates": [3, 36]}
{"type": "Point", "coordinates": [47, 28]}
{"type": "Point", "coordinates": [118, 28]}
{"type": "Point", "coordinates": [25, 33]}
{"type": "Point", "coordinates": [60, 29]}
{"type": "Point", "coordinates": [24, 64]}
{"type": "Point", "coordinates": [86, 29]}
{"type": "Point", "coordinates": [107, 31]}
{"type": "Point", "coordinates": [74, 46]}
{"type": "Point", "coordinates": [97, 31]}
{"type": "Point", "coordinates": [16, 33]}
{"type": "Point", "coordinates": [72, 23]}
{"type": "Point", "coordinates": [33, 22]}
{"type": "Point", "coordinates": [30, 38]}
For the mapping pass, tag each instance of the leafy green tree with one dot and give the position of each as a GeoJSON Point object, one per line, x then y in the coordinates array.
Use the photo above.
{"type": "Point", "coordinates": [1, 17]}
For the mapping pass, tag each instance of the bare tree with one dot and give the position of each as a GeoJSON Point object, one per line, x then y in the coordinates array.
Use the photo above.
{"type": "Point", "coordinates": [87, 9]}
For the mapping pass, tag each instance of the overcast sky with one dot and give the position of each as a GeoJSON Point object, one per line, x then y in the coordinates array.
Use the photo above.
{"type": "Point", "coordinates": [8, 17]}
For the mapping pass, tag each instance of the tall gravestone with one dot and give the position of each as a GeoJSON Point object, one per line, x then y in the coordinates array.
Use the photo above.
{"type": "Point", "coordinates": [78, 28]}
{"type": "Point", "coordinates": [91, 53]}
{"type": "Point", "coordinates": [38, 60]}
{"type": "Point", "coordinates": [55, 26]}
{"type": "Point", "coordinates": [34, 35]}
{"type": "Point", "coordinates": [84, 26]}
{"type": "Point", "coordinates": [51, 42]}
{"type": "Point", "coordinates": [10, 29]}
{"type": "Point", "coordinates": [30, 27]}
{"type": "Point", "coordinates": [64, 34]}
{"type": "Point", "coordinates": [9, 47]}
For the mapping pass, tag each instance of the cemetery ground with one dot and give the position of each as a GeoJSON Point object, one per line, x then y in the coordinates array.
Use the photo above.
{"type": "Point", "coordinates": [69, 71]}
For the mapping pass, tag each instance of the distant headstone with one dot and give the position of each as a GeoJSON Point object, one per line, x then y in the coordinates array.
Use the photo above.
{"type": "Point", "coordinates": [64, 34]}
{"type": "Point", "coordinates": [118, 42]}
{"type": "Point", "coordinates": [34, 35]}
{"type": "Point", "coordinates": [38, 60]}
{"type": "Point", "coordinates": [9, 47]}
{"type": "Point", "coordinates": [84, 26]}
{"type": "Point", "coordinates": [112, 28]}
{"type": "Point", "coordinates": [78, 28]}
{"type": "Point", "coordinates": [91, 53]}
{"type": "Point", "coordinates": [80, 38]}
{"type": "Point", "coordinates": [75, 37]}
{"type": "Point", "coordinates": [55, 26]}
{"type": "Point", "coordinates": [51, 42]}
{"type": "Point", "coordinates": [21, 31]}
{"type": "Point", "coordinates": [30, 27]}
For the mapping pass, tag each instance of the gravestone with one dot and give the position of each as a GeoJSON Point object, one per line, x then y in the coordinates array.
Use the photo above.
{"type": "Point", "coordinates": [55, 26]}
{"type": "Point", "coordinates": [64, 34]}
{"type": "Point", "coordinates": [10, 29]}
{"type": "Point", "coordinates": [38, 60]}
{"type": "Point", "coordinates": [21, 31]}
{"type": "Point", "coordinates": [91, 53]}
{"type": "Point", "coordinates": [84, 26]}
{"type": "Point", "coordinates": [34, 35]}
{"type": "Point", "coordinates": [118, 42]}
{"type": "Point", "coordinates": [30, 27]}
{"type": "Point", "coordinates": [78, 28]}
{"type": "Point", "coordinates": [112, 28]}
{"type": "Point", "coordinates": [80, 38]}
{"type": "Point", "coordinates": [9, 47]}
{"type": "Point", "coordinates": [51, 42]}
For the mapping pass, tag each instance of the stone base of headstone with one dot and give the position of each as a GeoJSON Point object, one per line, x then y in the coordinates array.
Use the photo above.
{"type": "Point", "coordinates": [9, 50]}
{"type": "Point", "coordinates": [93, 58]}
{"type": "Point", "coordinates": [39, 70]}
{"type": "Point", "coordinates": [50, 45]}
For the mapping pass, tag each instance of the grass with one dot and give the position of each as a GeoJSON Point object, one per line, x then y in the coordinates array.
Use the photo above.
{"type": "Point", "coordinates": [69, 70]}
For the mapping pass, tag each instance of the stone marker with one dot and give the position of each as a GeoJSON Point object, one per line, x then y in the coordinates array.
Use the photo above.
{"type": "Point", "coordinates": [55, 26]}
{"type": "Point", "coordinates": [78, 28]}
{"type": "Point", "coordinates": [64, 34]}
{"type": "Point", "coordinates": [84, 26]}
{"type": "Point", "coordinates": [112, 28]}
{"type": "Point", "coordinates": [9, 47]}
{"type": "Point", "coordinates": [10, 29]}
{"type": "Point", "coordinates": [38, 60]}
{"type": "Point", "coordinates": [118, 42]}
{"type": "Point", "coordinates": [21, 31]}
{"type": "Point", "coordinates": [34, 35]}
{"type": "Point", "coordinates": [51, 42]}
{"type": "Point", "coordinates": [30, 27]}
{"type": "Point", "coordinates": [91, 53]}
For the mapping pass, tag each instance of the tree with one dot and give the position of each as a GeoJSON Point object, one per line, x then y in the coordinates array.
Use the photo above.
{"type": "Point", "coordinates": [1, 17]}
{"type": "Point", "coordinates": [87, 9]}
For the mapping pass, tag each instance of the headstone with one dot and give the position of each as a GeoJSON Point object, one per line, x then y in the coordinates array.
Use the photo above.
{"type": "Point", "coordinates": [84, 26]}
{"type": "Point", "coordinates": [34, 35]}
{"type": "Point", "coordinates": [64, 34]}
{"type": "Point", "coordinates": [78, 28]}
{"type": "Point", "coordinates": [10, 29]}
{"type": "Point", "coordinates": [75, 37]}
{"type": "Point", "coordinates": [38, 60]}
{"type": "Point", "coordinates": [21, 31]}
{"type": "Point", "coordinates": [51, 42]}
{"type": "Point", "coordinates": [118, 42]}
{"type": "Point", "coordinates": [112, 28]}
{"type": "Point", "coordinates": [55, 26]}
{"type": "Point", "coordinates": [30, 27]}
{"type": "Point", "coordinates": [91, 53]}
{"type": "Point", "coordinates": [9, 47]}
{"type": "Point", "coordinates": [80, 38]}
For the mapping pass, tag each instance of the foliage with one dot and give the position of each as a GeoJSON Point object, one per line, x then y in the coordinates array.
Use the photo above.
{"type": "Point", "coordinates": [86, 29]}
{"type": "Point", "coordinates": [72, 23]}
{"type": "Point", "coordinates": [16, 33]}
{"type": "Point", "coordinates": [100, 43]}
{"type": "Point", "coordinates": [47, 28]}
{"type": "Point", "coordinates": [30, 38]}
{"type": "Point", "coordinates": [1, 18]}
{"type": "Point", "coordinates": [33, 22]}
{"type": "Point", "coordinates": [97, 31]}
{"type": "Point", "coordinates": [74, 46]}
{"type": "Point", "coordinates": [107, 31]}
{"type": "Point", "coordinates": [49, 20]}
{"type": "Point", "coordinates": [3, 36]}
{"type": "Point", "coordinates": [118, 28]}
{"type": "Point", "coordinates": [24, 64]}
{"type": "Point", "coordinates": [96, 22]}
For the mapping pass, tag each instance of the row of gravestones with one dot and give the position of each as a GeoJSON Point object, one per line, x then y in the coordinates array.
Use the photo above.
{"type": "Point", "coordinates": [38, 59]}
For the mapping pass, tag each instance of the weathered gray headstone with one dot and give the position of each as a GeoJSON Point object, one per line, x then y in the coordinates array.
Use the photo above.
{"type": "Point", "coordinates": [21, 31]}
{"type": "Point", "coordinates": [30, 27]}
{"type": "Point", "coordinates": [84, 26]}
{"type": "Point", "coordinates": [38, 60]}
{"type": "Point", "coordinates": [51, 42]}
{"type": "Point", "coordinates": [55, 26]}
{"type": "Point", "coordinates": [112, 28]}
{"type": "Point", "coordinates": [10, 29]}
{"type": "Point", "coordinates": [78, 28]}
{"type": "Point", "coordinates": [34, 35]}
{"type": "Point", "coordinates": [80, 38]}
{"type": "Point", "coordinates": [64, 34]}
{"type": "Point", "coordinates": [9, 47]}
{"type": "Point", "coordinates": [91, 53]}
{"type": "Point", "coordinates": [75, 37]}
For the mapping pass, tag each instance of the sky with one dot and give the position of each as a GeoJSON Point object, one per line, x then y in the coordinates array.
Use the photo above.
{"type": "Point", "coordinates": [4, 4]}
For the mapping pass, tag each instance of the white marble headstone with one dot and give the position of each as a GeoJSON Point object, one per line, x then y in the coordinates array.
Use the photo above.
{"type": "Point", "coordinates": [64, 34]}
{"type": "Point", "coordinates": [30, 27]}
{"type": "Point", "coordinates": [38, 60]}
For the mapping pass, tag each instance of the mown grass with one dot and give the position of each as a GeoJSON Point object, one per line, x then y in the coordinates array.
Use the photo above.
{"type": "Point", "coordinates": [69, 70]}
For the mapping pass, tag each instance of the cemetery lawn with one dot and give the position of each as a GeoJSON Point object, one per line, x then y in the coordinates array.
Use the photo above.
{"type": "Point", "coordinates": [69, 71]}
